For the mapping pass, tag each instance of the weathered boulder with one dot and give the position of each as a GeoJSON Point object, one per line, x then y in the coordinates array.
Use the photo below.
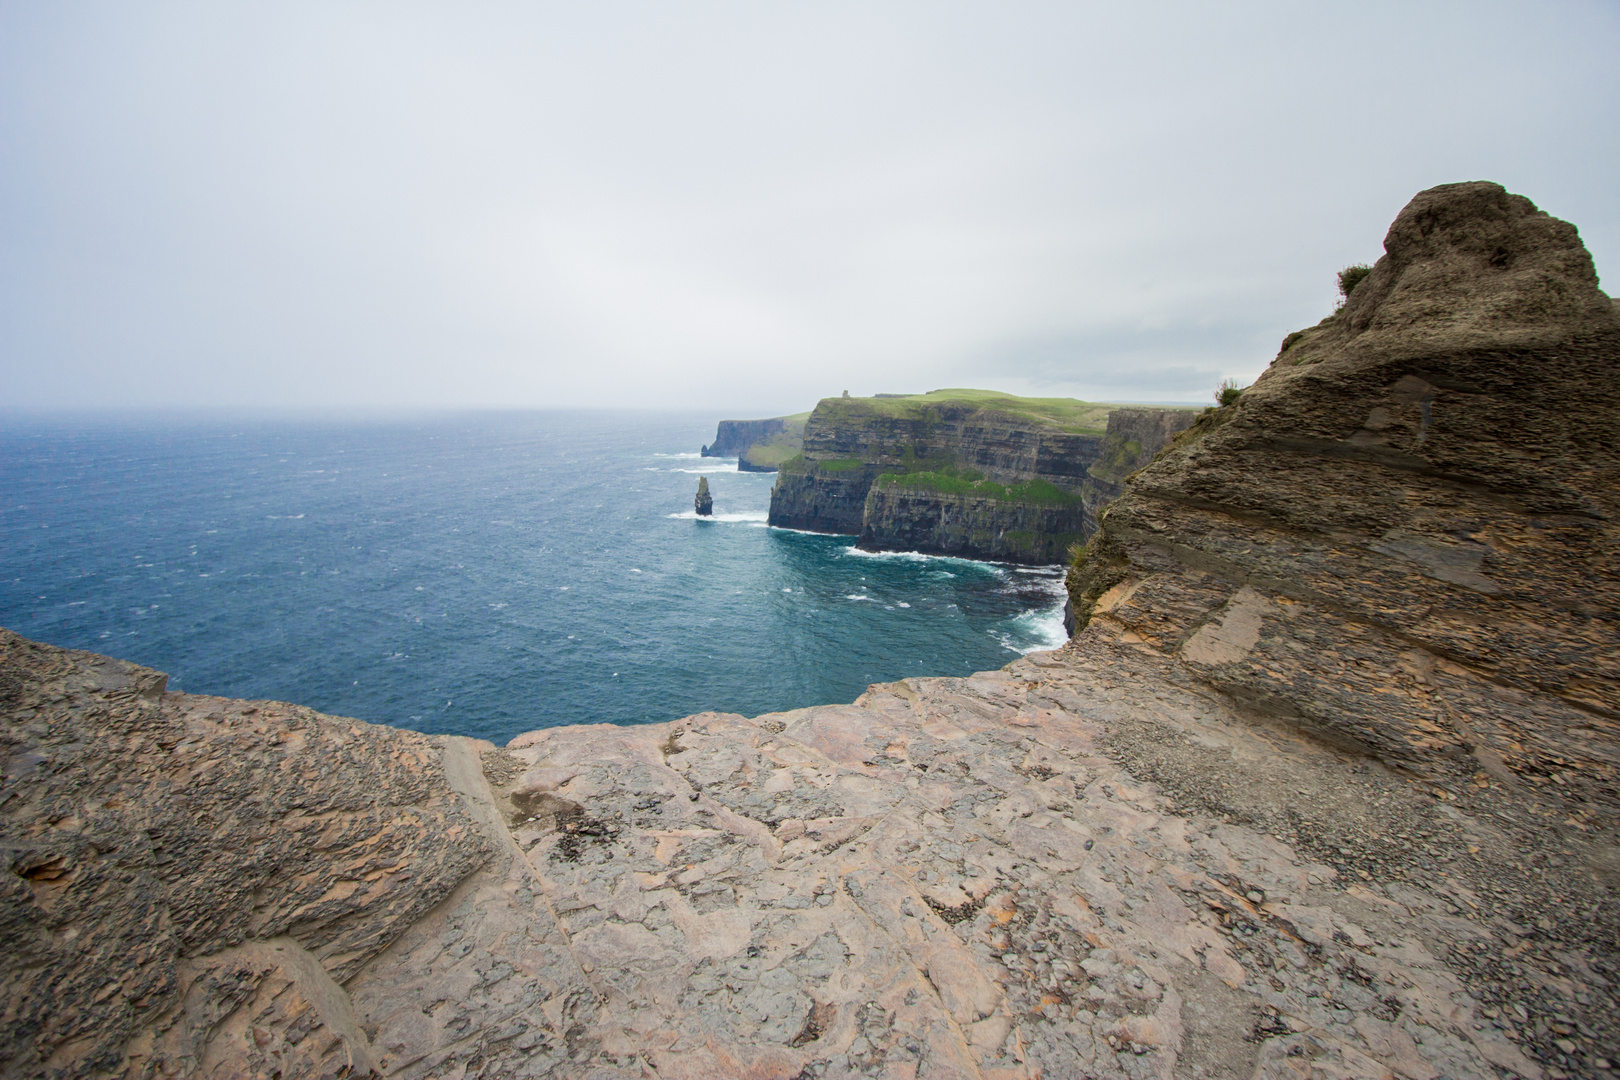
{"type": "Point", "coordinates": [703, 502]}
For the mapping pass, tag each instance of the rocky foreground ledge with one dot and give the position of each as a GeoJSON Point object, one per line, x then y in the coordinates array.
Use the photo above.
{"type": "Point", "coordinates": [1230, 830]}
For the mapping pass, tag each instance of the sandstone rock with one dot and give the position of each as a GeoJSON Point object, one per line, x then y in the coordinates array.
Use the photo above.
{"type": "Point", "coordinates": [189, 877]}
{"type": "Point", "coordinates": [1403, 535]}
{"type": "Point", "coordinates": [951, 877]}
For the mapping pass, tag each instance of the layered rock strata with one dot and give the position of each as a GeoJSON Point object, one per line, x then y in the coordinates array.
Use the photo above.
{"type": "Point", "coordinates": [980, 475]}
{"type": "Point", "coordinates": [1404, 536]}
{"type": "Point", "coordinates": [732, 437]}
{"type": "Point", "coordinates": [758, 445]}
{"type": "Point", "coordinates": [190, 879]}
{"type": "Point", "coordinates": [902, 515]}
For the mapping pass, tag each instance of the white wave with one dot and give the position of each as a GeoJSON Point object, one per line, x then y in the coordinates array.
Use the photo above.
{"type": "Point", "coordinates": [1054, 570]}
{"type": "Point", "coordinates": [857, 596]}
{"type": "Point", "coordinates": [749, 516]}
{"type": "Point", "coordinates": [901, 603]}
{"type": "Point", "coordinates": [1034, 631]}
{"type": "Point", "coordinates": [800, 532]}
{"type": "Point", "coordinates": [923, 556]}
{"type": "Point", "coordinates": [634, 570]}
{"type": "Point", "coordinates": [784, 590]}
{"type": "Point", "coordinates": [717, 467]}
{"type": "Point", "coordinates": [681, 456]}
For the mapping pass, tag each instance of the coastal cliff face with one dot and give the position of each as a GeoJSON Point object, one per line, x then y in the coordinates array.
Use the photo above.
{"type": "Point", "coordinates": [1318, 789]}
{"type": "Point", "coordinates": [903, 514]}
{"type": "Point", "coordinates": [963, 472]}
{"type": "Point", "coordinates": [1134, 436]}
{"type": "Point", "coordinates": [758, 445]}
{"type": "Point", "coordinates": [1404, 535]}
{"type": "Point", "coordinates": [732, 437]}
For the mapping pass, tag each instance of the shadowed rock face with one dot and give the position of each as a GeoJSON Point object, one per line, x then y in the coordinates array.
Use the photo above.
{"type": "Point", "coordinates": [187, 878]}
{"type": "Point", "coordinates": [1105, 861]}
{"type": "Point", "coordinates": [1404, 535]}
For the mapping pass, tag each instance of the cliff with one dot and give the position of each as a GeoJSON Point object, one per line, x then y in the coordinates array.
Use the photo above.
{"type": "Point", "coordinates": [759, 445]}
{"type": "Point", "coordinates": [1309, 794]}
{"type": "Point", "coordinates": [1403, 536]}
{"type": "Point", "coordinates": [965, 472]}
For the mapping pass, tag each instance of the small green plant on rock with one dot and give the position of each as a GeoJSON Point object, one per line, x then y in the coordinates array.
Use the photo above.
{"type": "Point", "coordinates": [1349, 278]}
{"type": "Point", "coordinates": [1227, 393]}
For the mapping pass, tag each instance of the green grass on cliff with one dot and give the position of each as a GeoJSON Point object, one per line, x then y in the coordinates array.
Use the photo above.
{"type": "Point", "coordinates": [779, 447]}
{"type": "Point", "coordinates": [966, 482]}
{"type": "Point", "coordinates": [1067, 414]}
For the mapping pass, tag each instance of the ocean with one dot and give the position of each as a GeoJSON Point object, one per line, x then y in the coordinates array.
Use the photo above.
{"type": "Point", "coordinates": [477, 574]}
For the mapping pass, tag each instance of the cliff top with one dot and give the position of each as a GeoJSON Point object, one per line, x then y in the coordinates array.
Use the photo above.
{"type": "Point", "coordinates": [1066, 414]}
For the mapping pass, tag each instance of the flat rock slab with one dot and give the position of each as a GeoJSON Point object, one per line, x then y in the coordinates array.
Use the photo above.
{"type": "Point", "coordinates": [952, 877]}
{"type": "Point", "coordinates": [1085, 864]}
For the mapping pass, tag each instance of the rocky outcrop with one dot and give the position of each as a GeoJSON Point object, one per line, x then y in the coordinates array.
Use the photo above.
{"type": "Point", "coordinates": [703, 502]}
{"type": "Point", "coordinates": [1086, 864]}
{"type": "Point", "coordinates": [1403, 537]}
{"type": "Point", "coordinates": [1317, 790]}
{"type": "Point", "coordinates": [1134, 436]}
{"type": "Point", "coordinates": [190, 879]}
{"type": "Point", "coordinates": [967, 473]}
{"type": "Point", "coordinates": [759, 445]}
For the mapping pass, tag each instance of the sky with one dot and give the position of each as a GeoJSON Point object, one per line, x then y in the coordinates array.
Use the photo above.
{"type": "Point", "coordinates": [740, 207]}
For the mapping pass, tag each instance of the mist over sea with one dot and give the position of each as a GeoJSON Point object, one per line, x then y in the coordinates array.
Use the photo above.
{"type": "Point", "coordinates": [478, 574]}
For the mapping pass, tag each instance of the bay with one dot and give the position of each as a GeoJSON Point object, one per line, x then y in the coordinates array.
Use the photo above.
{"type": "Point", "coordinates": [480, 574]}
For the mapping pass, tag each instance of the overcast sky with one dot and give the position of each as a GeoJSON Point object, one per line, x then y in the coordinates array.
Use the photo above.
{"type": "Point", "coordinates": [741, 207]}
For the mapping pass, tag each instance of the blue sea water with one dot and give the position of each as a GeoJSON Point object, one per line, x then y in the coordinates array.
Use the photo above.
{"type": "Point", "coordinates": [480, 574]}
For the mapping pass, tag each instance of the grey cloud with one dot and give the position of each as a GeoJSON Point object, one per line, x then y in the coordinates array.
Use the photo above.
{"type": "Point", "coordinates": [738, 206]}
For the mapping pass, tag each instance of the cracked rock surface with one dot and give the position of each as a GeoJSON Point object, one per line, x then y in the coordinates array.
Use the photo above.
{"type": "Point", "coordinates": [1087, 863]}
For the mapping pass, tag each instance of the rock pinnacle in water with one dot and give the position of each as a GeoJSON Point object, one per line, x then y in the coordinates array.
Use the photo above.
{"type": "Point", "coordinates": [703, 503]}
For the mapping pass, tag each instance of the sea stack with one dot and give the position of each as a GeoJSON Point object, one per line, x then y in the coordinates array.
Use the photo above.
{"type": "Point", "coordinates": [703, 503]}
